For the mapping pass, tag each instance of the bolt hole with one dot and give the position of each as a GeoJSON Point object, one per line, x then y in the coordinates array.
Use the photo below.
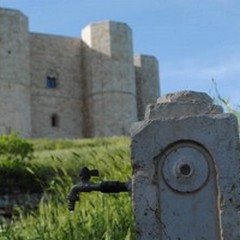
{"type": "Point", "coordinates": [185, 169]}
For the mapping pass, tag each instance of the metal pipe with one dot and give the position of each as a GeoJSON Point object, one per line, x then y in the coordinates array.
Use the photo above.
{"type": "Point", "coordinates": [104, 187]}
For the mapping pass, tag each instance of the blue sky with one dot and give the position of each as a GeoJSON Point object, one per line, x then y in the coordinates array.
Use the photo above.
{"type": "Point", "coordinates": [193, 40]}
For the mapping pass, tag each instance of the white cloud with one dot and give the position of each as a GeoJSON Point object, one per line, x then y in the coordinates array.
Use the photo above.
{"type": "Point", "coordinates": [197, 75]}
{"type": "Point", "coordinates": [201, 69]}
{"type": "Point", "coordinates": [223, 70]}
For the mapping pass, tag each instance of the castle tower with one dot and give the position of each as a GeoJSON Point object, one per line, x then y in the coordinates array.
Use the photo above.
{"type": "Point", "coordinates": [109, 79]}
{"type": "Point", "coordinates": [147, 82]}
{"type": "Point", "coordinates": [14, 74]}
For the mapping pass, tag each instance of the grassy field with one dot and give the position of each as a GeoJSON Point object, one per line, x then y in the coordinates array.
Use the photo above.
{"type": "Point", "coordinates": [97, 216]}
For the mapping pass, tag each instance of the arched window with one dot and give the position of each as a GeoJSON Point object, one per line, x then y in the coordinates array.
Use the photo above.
{"type": "Point", "coordinates": [51, 82]}
{"type": "Point", "coordinates": [54, 120]}
{"type": "Point", "coordinates": [51, 79]}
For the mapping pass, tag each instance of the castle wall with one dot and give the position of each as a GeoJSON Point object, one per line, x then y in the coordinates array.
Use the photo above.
{"type": "Point", "coordinates": [56, 107]}
{"type": "Point", "coordinates": [14, 74]}
{"type": "Point", "coordinates": [147, 82]}
{"type": "Point", "coordinates": [60, 87]}
{"type": "Point", "coordinates": [109, 78]}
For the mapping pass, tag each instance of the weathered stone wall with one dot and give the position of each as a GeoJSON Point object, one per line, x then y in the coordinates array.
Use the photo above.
{"type": "Point", "coordinates": [147, 82]}
{"type": "Point", "coordinates": [110, 78]}
{"type": "Point", "coordinates": [94, 92]}
{"type": "Point", "coordinates": [14, 73]}
{"type": "Point", "coordinates": [57, 57]}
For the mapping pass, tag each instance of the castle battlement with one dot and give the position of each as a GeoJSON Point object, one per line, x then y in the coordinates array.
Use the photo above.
{"type": "Point", "coordinates": [56, 87]}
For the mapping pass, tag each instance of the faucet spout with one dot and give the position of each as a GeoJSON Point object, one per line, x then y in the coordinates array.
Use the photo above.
{"type": "Point", "coordinates": [104, 187]}
{"type": "Point", "coordinates": [73, 197]}
{"type": "Point", "coordinates": [87, 186]}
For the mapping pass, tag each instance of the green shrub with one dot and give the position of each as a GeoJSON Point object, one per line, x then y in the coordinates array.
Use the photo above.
{"type": "Point", "coordinates": [26, 177]}
{"type": "Point", "coordinates": [15, 171]}
{"type": "Point", "coordinates": [15, 148]}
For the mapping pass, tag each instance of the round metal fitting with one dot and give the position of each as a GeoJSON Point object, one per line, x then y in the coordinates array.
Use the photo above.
{"type": "Point", "coordinates": [185, 167]}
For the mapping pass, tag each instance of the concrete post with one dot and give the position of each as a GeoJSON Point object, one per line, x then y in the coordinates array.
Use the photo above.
{"type": "Point", "coordinates": [185, 158]}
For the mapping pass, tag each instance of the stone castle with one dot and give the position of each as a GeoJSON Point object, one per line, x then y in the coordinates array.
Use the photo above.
{"type": "Point", "coordinates": [61, 87]}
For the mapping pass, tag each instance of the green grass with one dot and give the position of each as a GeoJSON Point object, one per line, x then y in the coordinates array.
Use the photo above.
{"type": "Point", "coordinates": [97, 215]}
{"type": "Point", "coordinates": [224, 102]}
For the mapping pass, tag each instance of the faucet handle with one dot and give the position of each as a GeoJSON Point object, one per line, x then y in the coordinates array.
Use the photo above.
{"type": "Point", "coordinates": [85, 174]}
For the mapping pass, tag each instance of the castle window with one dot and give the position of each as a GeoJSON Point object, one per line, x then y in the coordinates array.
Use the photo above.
{"type": "Point", "coordinates": [54, 120]}
{"type": "Point", "coordinates": [51, 81]}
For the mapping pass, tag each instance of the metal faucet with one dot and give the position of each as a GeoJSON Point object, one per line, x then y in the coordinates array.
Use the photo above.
{"type": "Point", "coordinates": [86, 186]}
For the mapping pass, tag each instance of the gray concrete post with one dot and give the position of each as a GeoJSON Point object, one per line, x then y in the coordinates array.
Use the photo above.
{"type": "Point", "coordinates": [186, 169]}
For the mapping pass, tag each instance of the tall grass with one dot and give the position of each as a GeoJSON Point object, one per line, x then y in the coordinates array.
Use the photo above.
{"type": "Point", "coordinates": [224, 101]}
{"type": "Point", "coordinates": [97, 215]}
